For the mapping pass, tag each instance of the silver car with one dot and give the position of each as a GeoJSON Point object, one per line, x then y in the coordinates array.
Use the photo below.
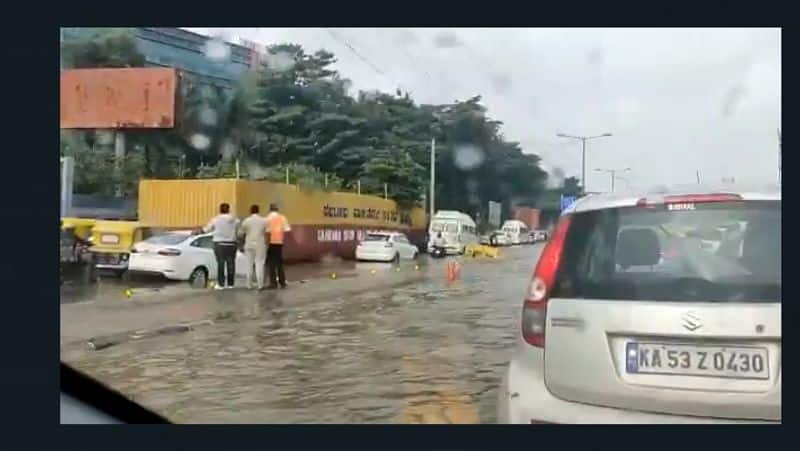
{"type": "Point", "coordinates": [630, 317]}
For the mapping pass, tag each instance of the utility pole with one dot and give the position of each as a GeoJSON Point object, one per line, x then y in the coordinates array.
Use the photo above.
{"type": "Point", "coordinates": [433, 177]}
{"type": "Point", "coordinates": [583, 152]}
{"type": "Point", "coordinates": [697, 173]}
{"type": "Point", "coordinates": [613, 173]}
{"type": "Point", "coordinates": [119, 158]}
{"type": "Point", "coordinates": [67, 182]}
{"type": "Point", "coordinates": [780, 156]}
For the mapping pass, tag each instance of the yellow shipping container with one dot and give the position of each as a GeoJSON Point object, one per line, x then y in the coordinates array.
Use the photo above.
{"type": "Point", "coordinates": [191, 203]}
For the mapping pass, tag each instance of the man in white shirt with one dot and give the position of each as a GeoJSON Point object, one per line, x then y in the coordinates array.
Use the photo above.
{"type": "Point", "coordinates": [254, 231]}
{"type": "Point", "coordinates": [225, 227]}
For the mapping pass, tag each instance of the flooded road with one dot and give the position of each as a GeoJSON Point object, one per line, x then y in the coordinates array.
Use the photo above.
{"type": "Point", "coordinates": [423, 352]}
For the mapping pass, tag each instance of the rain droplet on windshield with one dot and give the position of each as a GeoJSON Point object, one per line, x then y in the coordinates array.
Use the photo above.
{"type": "Point", "coordinates": [104, 137]}
{"type": "Point", "coordinates": [732, 100]}
{"type": "Point", "coordinates": [279, 61]}
{"type": "Point", "coordinates": [467, 157]}
{"type": "Point", "coordinates": [228, 150]}
{"type": "Point", "coordinates": [217, 49]}
{"type": "Point", "coordinates": [208, 116]}
{"type": "Point", "coordinates": [447, 40]}
{"type": "Point", "coordinates": [200, 141]}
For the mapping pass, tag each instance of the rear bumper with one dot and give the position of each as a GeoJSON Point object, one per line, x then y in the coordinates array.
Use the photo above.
{"type": "Point", "coordinates": [374, 256]}
{"type": "Point", "coordinates": [165, 270]}
{"type": "Point", "coordinates": [449, 249]}
{"type": "Point", "coordinates": [523, 398]}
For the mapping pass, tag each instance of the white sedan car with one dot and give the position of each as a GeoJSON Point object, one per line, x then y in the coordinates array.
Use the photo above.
{"type": "Point", "coordinates": [180, 256]}
{"type": "Point", "coordinates": [386, 247]}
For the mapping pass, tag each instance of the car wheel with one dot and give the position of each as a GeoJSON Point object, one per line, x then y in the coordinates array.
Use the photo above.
{"type": "Point", "coordinates": [396, 258]}
{"type": "Point", "coordinates": [199, 277]}
{"type": "Point", "coordinates": [414, 255]}
{"type": "Point", "coordinates": [120, 273]}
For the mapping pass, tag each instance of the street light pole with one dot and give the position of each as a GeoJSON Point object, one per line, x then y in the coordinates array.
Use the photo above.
{"type": "Point", "coordinates": [433, 178]}
{"type": "Point", "coordinates": [583, 152]}
{"type": "Point", "coordinates": [613, 173]}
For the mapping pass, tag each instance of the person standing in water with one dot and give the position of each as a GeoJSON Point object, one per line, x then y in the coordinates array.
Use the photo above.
{"type": "Point", "coordinates": [225, 227]}
{"type": "Point", "coordinates": [277, 226]}
{"type": "Point", "coordinates": [254, 230]}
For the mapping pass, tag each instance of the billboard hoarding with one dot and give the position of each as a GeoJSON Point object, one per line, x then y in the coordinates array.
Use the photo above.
{"type": "Point", "coordinates": [119, 98]}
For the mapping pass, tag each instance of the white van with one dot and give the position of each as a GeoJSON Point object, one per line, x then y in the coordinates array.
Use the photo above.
{"type": "Point", "coordinates": [457, 228]}
{"type": "Point", "coordinates": [517, 231]}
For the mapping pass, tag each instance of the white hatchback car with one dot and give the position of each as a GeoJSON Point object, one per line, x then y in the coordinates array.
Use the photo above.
{"type": "Point", "coordinates": [386, 247]}
{"type": "Point", "coordinates": [180, 256]}
{"type": "Point", "coordinates": [629, 318]}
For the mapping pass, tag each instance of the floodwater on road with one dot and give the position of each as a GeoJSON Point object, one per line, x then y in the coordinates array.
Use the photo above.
{"type": "Point", "coordinates": [423, 352]}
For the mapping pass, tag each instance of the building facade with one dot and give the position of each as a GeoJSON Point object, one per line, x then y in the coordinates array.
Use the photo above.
{"type": "Point", "coordinates": [187, 51]}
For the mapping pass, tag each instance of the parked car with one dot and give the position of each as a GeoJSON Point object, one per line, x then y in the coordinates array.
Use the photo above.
{"type": "Point", "coordinates": [386, 247]}
{"type": "Point", "coordinates": [668, 331]}
{"type": "Point", "coordinates": [499, 238]}
{"type": "Point", "coordinates": [539, 235]}
{"type": "Point", "coordinates": [180, 255]}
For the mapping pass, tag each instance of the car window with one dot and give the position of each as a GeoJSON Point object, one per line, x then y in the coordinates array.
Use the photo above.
{"type": "Point", "coordinates": [658, 254]}
{"type": "Point", "coordinates": [401, 239]}
{"type": "Point", "coordinates": [376, 237]}
{"type": "Point", "coordinates": [205, 242]}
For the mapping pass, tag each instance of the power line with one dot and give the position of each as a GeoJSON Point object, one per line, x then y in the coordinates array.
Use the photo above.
{"type": "Point", "coordinates": [359, 55]}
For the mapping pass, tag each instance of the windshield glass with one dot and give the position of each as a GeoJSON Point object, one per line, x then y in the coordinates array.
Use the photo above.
{"type": "Point", "coordinates": [659, 254]}
{"type": "Point", "coordinates": [167, 238]}
{"type": "Point", "coordinates": [343, 219]}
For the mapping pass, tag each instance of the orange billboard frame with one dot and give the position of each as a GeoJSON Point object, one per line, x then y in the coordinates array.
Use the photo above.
{"type": "Point", "coordinates": [119, 98]}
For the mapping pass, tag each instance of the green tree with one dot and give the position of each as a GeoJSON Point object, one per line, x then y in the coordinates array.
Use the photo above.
{"type": "Point", "coordinates": [102, 47]}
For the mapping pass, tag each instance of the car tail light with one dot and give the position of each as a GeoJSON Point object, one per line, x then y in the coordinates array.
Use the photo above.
{"type": "Point", "coordinates": [169, 252]}
{"type": "Point", "coordinates": [534, 311]}
{"type": "Point", "coordinates": [388, 245]}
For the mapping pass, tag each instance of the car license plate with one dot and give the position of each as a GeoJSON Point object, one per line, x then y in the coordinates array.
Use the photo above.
{"type": "Point", "coordinates": [735, 362]}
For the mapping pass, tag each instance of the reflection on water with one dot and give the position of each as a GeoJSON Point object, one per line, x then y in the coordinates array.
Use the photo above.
{"type": "Point", "coordinates": [419, 353]}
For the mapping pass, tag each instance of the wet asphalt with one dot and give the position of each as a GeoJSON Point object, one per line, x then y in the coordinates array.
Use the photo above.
{"type": "Point", "coordinates": [421, 351]}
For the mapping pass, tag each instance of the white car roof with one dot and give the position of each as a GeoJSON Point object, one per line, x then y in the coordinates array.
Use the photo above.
{"type": "Point", "coordinates": [656, 194]}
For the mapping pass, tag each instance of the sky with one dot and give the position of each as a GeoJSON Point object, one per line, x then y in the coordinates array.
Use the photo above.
{"type": "Point", "coordinates": [676, 100]}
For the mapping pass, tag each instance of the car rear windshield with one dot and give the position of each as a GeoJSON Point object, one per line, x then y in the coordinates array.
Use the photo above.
{"type": "Point", "coordinates": [167, 238]}
{"type": "Point", "coordinates": [376, 237]}
{"type": "Point", "coordinates": [711, 252]}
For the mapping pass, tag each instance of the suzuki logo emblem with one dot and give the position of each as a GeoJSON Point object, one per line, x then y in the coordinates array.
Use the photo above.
{"type": "Point", "coordinates": [691, 321]}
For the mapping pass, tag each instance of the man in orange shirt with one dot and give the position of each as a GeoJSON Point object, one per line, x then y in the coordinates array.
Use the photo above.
{"type": "Point", "coordinates": [277, 226]}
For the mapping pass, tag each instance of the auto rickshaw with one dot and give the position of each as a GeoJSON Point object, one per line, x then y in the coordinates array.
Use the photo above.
{"type": "Point", "coordinates": [75, 243]}
{"type": "Point", "coordinates": [112, 242]}
{"type": "Point", "coordinates": [81, 227]}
